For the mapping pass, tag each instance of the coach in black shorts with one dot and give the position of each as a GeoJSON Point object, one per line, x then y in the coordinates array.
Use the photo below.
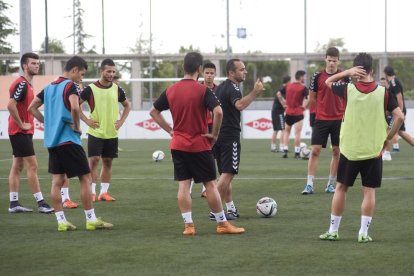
{"type": "Point", "coordinates": [278, 115]}
{"type": "Point", "coordinates": [227, 148]}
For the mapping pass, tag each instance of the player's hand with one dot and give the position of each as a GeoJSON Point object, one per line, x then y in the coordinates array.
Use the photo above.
{"type": "Point", "coordinates": [212, 138]}
{"type": "Point", "coordinates": [357, 72]}
{"type": "Point", "coordinates": [118, 124]}
{"type": "Point", "coordinates": [77, 130]}
{"type": "Point", "coordinates": [91, 123]}
{"type": "Point", "coordinates": [258, 86]}
{"type": "Point", "coordinates": [26, 126]}
{"type": "Point", "coordinates": [171, 133]}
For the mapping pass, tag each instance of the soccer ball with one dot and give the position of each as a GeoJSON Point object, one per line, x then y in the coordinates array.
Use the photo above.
{"type": "Point", "coordinates": [303, 145]}
{"type": "Point", "coordinates": [305, 153]}
{"type": "Point", "coordinates": [158, 155]}
{"type": "Point", "coordinates": [266, 207]}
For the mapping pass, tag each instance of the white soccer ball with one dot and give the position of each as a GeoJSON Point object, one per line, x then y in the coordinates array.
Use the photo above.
{"type": "Point", "coordinates": [305, 153]}
{"type": "Point", "coordinates": [266, 207]}
{"type": "Point", "coordinates": [158, 155]}
{"type": "Point", "coordinates": [303, 145]}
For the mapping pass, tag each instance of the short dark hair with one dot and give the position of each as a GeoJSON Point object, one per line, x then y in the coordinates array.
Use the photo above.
{"type": "Point", "coordinates": [332, 52]}
{"type": "Point", "coordinates": [75, 61]}
{"type": "Point", "coordinates": [286, 79]}
{"type": "Point", "coordinates": [209, 65]}
{"type": "Point", "coordinates": [299, 74]}
{"type": "Point", "coordinates": [382, 78]}
{"type": "Point", "coordinates": [389, 71]}
{"type": "Point", "coordinates": [231, 66]}
{"type": "Point", "coordinates": [364, 60]}
{"type": "Point", "coordinates": [106, 62]}
{"type": "Point", "coordinates": [26, 56]}
{"type": "Point", "coordinates": [192, 61]}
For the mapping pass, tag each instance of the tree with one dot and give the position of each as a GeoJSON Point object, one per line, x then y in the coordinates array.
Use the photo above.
{"type": "Point", "coordinates": [55, 46]}
{"type": "Point", "coordinates": [6, 28]}
{"type": "Point", "coordinates": [80, 34]}
{"type": "Point", "coordinates": [333, 42]}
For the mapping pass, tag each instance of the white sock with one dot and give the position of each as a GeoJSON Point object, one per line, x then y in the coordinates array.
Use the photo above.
{"type": "Point", "coordinates": [332, 180]}
{"type": "Point", "coordinates": [65, 194]}
{"type": "Point", "coordinates": [90, 215]}
{"type": "Point", "coordinates": [386, 152]}
{"type": "Point", "coordinates": [14, 196]}
{"type": "Point", "coordinates": [281, 146]}
{"type": "Point", "coordinates": [187, 217]}
{"type": "Point", "coordinates": [220, 217]}
{"type": "Point", "coordinates": [273, 146]}
{"type": "Point", "coordinates": [38, 196]}
{"type": "Point", "coordinates": [104, 188]}
{"type": "Point", "coordinates": [203, 189]}
{"type": "Point", "coordinates": [365, 223]}
{"type": "Point", "coordinates": [93, 187]}
{"type": "Point", "coordinates": [297, 149]}
{"type": "Point", "coordinates": [335, 221]}
{"type": "Point", "coordinates": [285, 148]}
{"type": "Point", "coordinates": [60, 216]}
{"type": "Point", "coordinates": [396, 146]}
{"type": "Point", "coordinates": [310, 180]}
{"type": "Point", "coordinates": [230, 206]}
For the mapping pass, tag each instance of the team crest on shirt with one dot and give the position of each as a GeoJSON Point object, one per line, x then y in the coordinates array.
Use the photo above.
{"type": "Point", "coordinates": [236, 87]}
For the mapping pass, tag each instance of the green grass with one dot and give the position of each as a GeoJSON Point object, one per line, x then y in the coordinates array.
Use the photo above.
{"type": "Point", "coordinates": [147, 236]}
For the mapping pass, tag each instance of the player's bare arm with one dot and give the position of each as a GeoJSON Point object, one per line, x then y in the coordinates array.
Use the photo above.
{"type": "Point", "coordinates": [75, 111]}
{"type": "Point", "coordinates": [217, 119]}
{"type": "Point", "coordinates": [312, 98]}
{"type": "Point", "coordinates": [249, 98]}
{"type": "Point", "coordinates": [14, 113]}
{"type": "Point", "coordinates": [281, 99]}
{"type": "Point", "coordinates": [34, 109]}
{"type": "Point", "coordinates": [91, 123]}
{"type": "Point", "coordinates": [159, 119]}
{"type": "Point", "coordinates": [125, 113]}
{"type": "Point", "coordinates": [356, 72]}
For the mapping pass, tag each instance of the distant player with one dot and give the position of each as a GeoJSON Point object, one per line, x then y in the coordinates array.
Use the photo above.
{"type": "Point", "coordinates": [296, 103]}
{"type": "Point", "coordinates": [62, 139]}
{"type": "Point", "coordinates": [227, 149]}
{"type": "Point", "coordinates": [363, 135]}
{"type": "Point", "coordinates": [103, 98]}
{"type": "Point", "coordinates": [191, 143]}
{"type": "Point", "coordinates": [21, 129]}
{"type": "Point", "coordinates": [278, 116]}
{"type": "Point", "coordinates": [329, 112]}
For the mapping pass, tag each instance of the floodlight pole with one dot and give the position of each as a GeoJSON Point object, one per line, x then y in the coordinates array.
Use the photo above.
{"type": "Point", "coordinates": [305, 61]}
{"type": "Point", "coordinates": [150, 54]}
{"type": "Point", "coordinates": [228, 31]}
{"type": "Point", "coordinates": [25, 28]}
{"type": "Point", "coordinates": [385, 32]}
{"type": "Point", "coordinates": [103, 28]}
{"type": "Point", "coordinates": [47, 32]}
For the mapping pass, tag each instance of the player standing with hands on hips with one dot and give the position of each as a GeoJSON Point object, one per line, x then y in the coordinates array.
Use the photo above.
{"type": "Point", "coordinates": [362, 140]}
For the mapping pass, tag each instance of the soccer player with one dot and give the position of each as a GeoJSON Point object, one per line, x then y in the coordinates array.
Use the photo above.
{"type": "Point", "coordinates": [191, 142]}
{"type": "Point", "coordinates": [396, 88]}
{"type": "Point", "coordinates": [296, 102]}
{"type": "Point", "coordinates": [278, 116]}
{"type": "Point", "coordinates": [21, 129]}
{"type": "Point", "coordinates": [227, 148]}
{"type": "Point", "coordinates": [386, 154]}
{"type": "Point", "coordinates": [329, 112]}
{"type": "Point", "coordinates": [62, 139]}
{"type": "Point", "coordinates": [103, 97]}
{"type": "Point", "coordinates": [363, 136]}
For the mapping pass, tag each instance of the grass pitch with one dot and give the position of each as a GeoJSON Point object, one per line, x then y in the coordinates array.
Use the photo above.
{"type": "Point", "coordinates": [147, 236]}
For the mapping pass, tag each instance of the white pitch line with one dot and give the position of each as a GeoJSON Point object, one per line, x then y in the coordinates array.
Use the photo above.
{"type": "Point", "coordinates": [4, 160]}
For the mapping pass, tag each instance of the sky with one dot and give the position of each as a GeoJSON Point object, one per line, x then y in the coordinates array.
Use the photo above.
{"type": "Point", "coordinates": [272, 26]}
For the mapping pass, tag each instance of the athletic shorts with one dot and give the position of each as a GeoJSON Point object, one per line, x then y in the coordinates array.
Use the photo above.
{"type": "Point", "coordinates": [102, 147]}
{"type": "Point", "coordinates": [370, 170]}
{"type": "Point", "coordinates": [69, 159]}
{"type": "Point", "coordinates": [196, 165]}
{"type": "Point", "coordinates": [390, 122]}
{"type": "Point", "coordinates": [293, 119]}
{"type": "Point", "coordinates": [322, 129]}
{"type": "Point", "coordinates": [312, 118]}
{"type": "Point", "coordinates": [278, 121]}
{"type": "Point", "coordinates": [227, 155]}
{"type": "Point", "coordinates": [22, 145]}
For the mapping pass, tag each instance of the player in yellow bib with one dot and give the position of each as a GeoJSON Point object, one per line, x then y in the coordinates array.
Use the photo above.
{"type": "Point", "coordinates": [362, 139]}
{"type": "Point", "coordinates": [103, 97]}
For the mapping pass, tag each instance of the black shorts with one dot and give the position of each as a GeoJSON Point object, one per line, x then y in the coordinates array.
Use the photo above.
{"type": "Point", "coordinates": [196, 165]}
{"type": "Point", "coordinates": [390, 122]}
{"type": "Point", "coordinates": [293, 119]}
{"type": "Point", "coordinates": [22, 145]}
{"type": "Point", "coordinates": [370, 169]}
{"type": "Point", "coordinates": [312, 118]}
{"type": "Point", "coordinates": [322, 129]}
{"type": "Point", "coordinates": [227, 154]}
{"type": "Point", "coordinates": [69, 159]}
{"type": "Point", "coordinates": [102, 147]}
{"type": "Point", "coordinates": [278, 121]}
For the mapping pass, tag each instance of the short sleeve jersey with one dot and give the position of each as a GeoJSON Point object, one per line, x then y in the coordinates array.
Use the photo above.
{"type": "Point", "coordinates": [188, 102]}
{"type": "Point", "coordinates": [71, 88]}
{"type": "Point", "coordinates": [328, 107]}
{"type": "Point", "coordinates": [295, 94]}
{"type": "Point", "coordinates": [395, 88]}
{"type": "Point", "coordinates": [340, 89]}
{"type": "Point", "coordinates": [228, 94]}
{"type": "Point", "coordinates": [22, 92]}
{"type": "Point", "coordinates": [277, 106]}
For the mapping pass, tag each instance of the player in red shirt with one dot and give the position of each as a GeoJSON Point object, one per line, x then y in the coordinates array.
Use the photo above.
{"type": "Point", "coordinates": [329, 112]}
{"type": "Point", "coordinates": [21, 129]}
{"type": "Point", "coordinates": [296, 102]}
{"type": "Point", "coordinates": [191, 143]}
